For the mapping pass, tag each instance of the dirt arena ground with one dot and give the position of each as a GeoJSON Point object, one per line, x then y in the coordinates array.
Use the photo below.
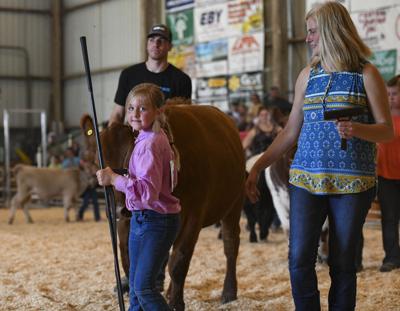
{"type": "Point", "coordinates": [52, 265]}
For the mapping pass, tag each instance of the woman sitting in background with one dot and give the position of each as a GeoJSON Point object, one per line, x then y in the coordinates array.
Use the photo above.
{"type": "Point", "coordinates": [256, 141]}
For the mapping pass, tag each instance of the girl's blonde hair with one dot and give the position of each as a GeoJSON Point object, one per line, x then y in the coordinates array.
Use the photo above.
{"type": "Point", "coordinates": [340, 46]}
{"type": "Point", "coordinates": [148, 92]}
{"type": "Point", "coordinates": [151, 93]}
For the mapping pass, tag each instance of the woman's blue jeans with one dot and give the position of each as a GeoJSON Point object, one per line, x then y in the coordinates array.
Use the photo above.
{"type": "Point", "coordinates": [346, 214]}
{"type": "Point", "coordinates": [150, 239]}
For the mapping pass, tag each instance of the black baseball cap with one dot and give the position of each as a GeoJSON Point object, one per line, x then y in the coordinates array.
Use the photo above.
{"type": "Point", "coordinates": [160, 30]}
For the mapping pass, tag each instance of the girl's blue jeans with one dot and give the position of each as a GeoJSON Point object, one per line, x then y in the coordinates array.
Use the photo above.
{"type": "Point", "coordinates": [150, 239]}
{"type": "Point", "coordinates": [346, 214]}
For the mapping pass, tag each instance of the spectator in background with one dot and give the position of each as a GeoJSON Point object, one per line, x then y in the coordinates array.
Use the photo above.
{"type": "Point", "coordinates": [70, 159]}
{"type": "Point", "coordinates": [90, 194]}
{"type": "Point", "coordinates": [238, 113]}
{"type": "Point", "coordinates": [254, 107]}
{"type": "Point", "coordinates": [263, 133]}
{"type": "Point", "coordinates": [55, 161]}
{"type": "Point", "coordinates": [76, 148]}
{"type": "Point", "coordinates": [255, 142]}
{"type": "Point", "coordinates": [274, 99]}
{"type": "Point", "coordinates": [389, 183]}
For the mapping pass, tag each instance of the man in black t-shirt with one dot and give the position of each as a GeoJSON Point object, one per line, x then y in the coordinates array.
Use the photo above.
{"type": "Point", "coordinates": [172, 81]}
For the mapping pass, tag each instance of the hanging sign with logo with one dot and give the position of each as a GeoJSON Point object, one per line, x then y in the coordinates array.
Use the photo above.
{"type": "Point", "coordinates": [181, 25]}
{"type": "Point", "coordinates": [246, 53]}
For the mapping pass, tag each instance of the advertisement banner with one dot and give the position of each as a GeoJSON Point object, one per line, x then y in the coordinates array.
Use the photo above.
{"type": "Point", "coordinates": [181, 25]}
{"type": "Point", "coordinates": [183, 57]}
{"type": "Point", "coordinates": [211, 69]}
{"type": "Point", "coordinates": [245, 16]}
{"type": "Point", "coordinates": [241, 86]}
{"type": "Point", "coordinates": [203, 3]}
{"type": "Point", "coordinates": [210, 89]}
{"type": "Point", "coordinates": [211, 58]}
{"type": "Point", "coordinates": [211, 22]}
{"type": "Point", "coordinates": [362, 5]}
{"type": "Point", "coordinates": [386, 62]}
{"type": "Point", "coordinates": [246, 53]}
{"type": "Point", "coordinates": [380, 30]}
{"type": "Point", "coordinates": [177, 5]}
{"type": "Point", "coordinates": [212, 51]}
{"type": "Point", "coordinates": [311, 3]}
{"type": "Point", "coordinates": [245, 82]}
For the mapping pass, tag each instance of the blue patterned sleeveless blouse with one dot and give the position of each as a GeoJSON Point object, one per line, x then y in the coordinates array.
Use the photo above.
{"type": "Point", "coordinates": [320, 166]}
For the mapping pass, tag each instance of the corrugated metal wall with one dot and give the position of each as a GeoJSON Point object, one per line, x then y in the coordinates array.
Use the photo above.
{"type": "Point", "coordinates": [25, 38]}
{"type": "Point", "coordinates": [112, 29]}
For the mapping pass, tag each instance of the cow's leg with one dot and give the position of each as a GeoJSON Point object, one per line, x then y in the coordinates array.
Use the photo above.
{"type": "Point", "coordinates": [281, 201]}
{"type": "Point", "coordinates": [19, 201]}
{"type": "Point", "coordinates": [323, 248]}
{"type": "Point", "coordinates": [25, 208]}
{"type": "Point", "coordinates": [179, 261]}
{"type": "Point", "coordinates": [68, 204]}
{"type": "Point", "coordinates": [13, 209]}
{"type": "Point", "coordinates": [231, 239]}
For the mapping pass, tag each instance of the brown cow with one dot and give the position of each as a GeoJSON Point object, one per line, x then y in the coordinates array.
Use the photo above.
{"type": "Point", "coordinates": [210, 186]}
{"type": "Point", "coordinates": [46, 183]}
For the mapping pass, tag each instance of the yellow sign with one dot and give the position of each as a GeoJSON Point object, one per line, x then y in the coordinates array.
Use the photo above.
{"type": "Point", "coordinates": [214, 83]}
{"type": "Point", "coordinates": [234, 83]}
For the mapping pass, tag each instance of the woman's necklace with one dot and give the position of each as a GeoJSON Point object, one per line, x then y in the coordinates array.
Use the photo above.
{"type": "Point", "coordinates": [328, 86]}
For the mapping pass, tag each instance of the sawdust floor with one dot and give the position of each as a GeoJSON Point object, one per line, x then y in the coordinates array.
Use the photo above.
{"type": "Point", "coordinates": [53, 265]}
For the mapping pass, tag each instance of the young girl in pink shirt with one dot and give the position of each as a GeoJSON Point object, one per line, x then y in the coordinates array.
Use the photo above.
{"type": "Point", "coordinates": [148, 191]}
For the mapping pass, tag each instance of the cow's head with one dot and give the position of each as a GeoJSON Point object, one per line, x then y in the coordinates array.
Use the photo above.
{"type": "Point", "coordinates": [117, 143]}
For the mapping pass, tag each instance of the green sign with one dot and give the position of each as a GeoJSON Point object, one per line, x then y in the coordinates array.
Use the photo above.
{"type": "Point", "coordinates": [386, 62]}
{"type": "Point", "coordinates": [181, 25]}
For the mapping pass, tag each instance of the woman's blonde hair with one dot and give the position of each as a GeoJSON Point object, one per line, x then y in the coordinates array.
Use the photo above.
{"type": "Point", "coordinates": [340, 46]}
{"type": "Point", "coordinates": [151, 93]}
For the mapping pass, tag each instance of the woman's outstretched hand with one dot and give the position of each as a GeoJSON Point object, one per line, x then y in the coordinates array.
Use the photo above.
{"type": "Point", "coordinates": [251, 186]}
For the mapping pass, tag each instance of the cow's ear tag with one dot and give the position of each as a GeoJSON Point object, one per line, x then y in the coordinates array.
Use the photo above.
{"type": "Point", "coordinates": [89, 132]}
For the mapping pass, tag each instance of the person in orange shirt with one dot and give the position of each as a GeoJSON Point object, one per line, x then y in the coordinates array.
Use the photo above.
{"type": "Point", "coordinates": [389, 183]}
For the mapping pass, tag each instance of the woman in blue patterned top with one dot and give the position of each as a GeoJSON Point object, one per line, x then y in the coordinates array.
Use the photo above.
{"type": "Point", "coordinates": [326, 181]}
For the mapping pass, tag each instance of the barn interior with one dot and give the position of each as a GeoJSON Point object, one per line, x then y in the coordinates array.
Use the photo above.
{"type": "Point", "coordinates": [44, 94]}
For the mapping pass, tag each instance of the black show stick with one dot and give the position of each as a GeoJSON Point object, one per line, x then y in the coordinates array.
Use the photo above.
{"type": "Point", "coordinates": [110, 202]}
